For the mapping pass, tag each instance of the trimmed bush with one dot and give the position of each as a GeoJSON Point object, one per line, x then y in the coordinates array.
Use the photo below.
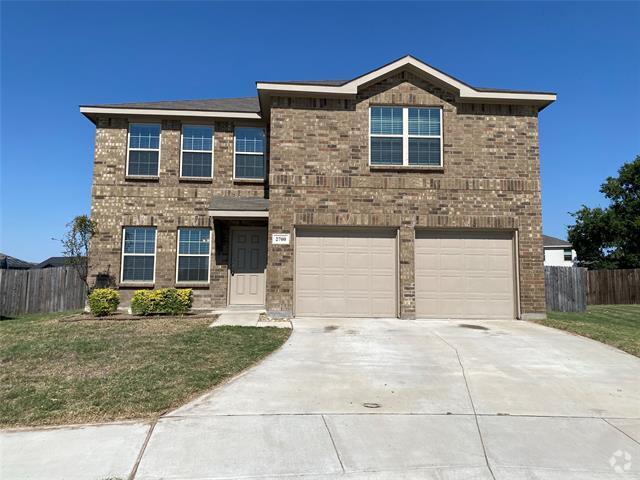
{"type": "Point", "coordinates": [164, 301]}
{"type": "Point", "coordinates": [103, 301]}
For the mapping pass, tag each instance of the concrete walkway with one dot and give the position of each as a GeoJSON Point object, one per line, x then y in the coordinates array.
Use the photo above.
{"type": "Point", "coordinates": [247, 319]}
{"type": "Point", "coordinates": [380, 399]}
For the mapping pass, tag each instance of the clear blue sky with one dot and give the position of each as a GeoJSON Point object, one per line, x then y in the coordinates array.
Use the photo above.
{"type": "Point", "coordinates": [56, 56]}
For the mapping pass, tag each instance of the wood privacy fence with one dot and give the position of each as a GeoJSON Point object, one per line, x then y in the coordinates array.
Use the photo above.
{"type": "Point", "coordinates": [613, 286]}
{"type": "Point", "coordinates": [565, 289]}
{"type": "Point", "coordinates": [40, 290]}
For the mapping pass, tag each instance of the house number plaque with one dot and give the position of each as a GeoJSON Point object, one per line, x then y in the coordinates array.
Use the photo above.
{"type": "Point", "coordinates": [280, 239]}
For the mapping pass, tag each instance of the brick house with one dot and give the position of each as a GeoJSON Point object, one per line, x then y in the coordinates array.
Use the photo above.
{"type": "Point", "coordinates": [402, 192]}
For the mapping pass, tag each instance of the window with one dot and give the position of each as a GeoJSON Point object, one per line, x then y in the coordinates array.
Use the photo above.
{"type": "Point", "coordinates": [568, 256]}
{"type": "Point", "coordinates": [194, 246]}
{"type": "Point", "coordinates": [386, 136]}
{"type": "Point", "coordinates": [405, 136]}
{"type": "Point", "coordinates": [197, 151]}
{"type": "Point", "coordinates": [250, 149]}
{"type": "Point", "coordinates": [144, 150]}
{"type": "Point", "coordinates": [138, 254]}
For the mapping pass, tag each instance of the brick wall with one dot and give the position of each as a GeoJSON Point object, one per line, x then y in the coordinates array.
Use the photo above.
{"type": "Point", "coordinates": [166, 203]}
{"type": "Point", "coordinates": [320, 175]}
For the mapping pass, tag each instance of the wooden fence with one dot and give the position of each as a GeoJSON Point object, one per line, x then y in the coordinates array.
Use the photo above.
{"type": "Point", "coordinates": [40, 290]}
{"type": "Point", "coordinates": [565, 289]}
{"type": "Point", "coordinates": [613, 286]}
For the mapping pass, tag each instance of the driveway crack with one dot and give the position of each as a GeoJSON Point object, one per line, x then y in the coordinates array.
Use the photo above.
{"type": "Point", "coordinates": [620, 430]}
{"type": "Point", "coordinates": [335, 448]}
{"type": "Point", "coordinates": [473, 406]}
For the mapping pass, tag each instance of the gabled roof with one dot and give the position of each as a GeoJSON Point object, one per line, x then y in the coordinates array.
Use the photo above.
{"type": "Point", "coordinates": [464, 91]}
{"type": "Point", "coordinates": [554, 242]}
{"type": "Point", "coordinates": [8, 262]}
{"type": "Point", "coordinates": [253, 107]}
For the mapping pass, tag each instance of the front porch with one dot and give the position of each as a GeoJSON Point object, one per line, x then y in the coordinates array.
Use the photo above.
{"type": "Point", "coordinates": [240, 250]}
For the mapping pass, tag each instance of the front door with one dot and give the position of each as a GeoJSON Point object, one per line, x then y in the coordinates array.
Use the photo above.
{"type": "Point", "coordinates": [248, 265]}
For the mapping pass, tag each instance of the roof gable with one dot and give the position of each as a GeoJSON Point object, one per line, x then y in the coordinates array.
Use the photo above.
{"type": "Point", "coordinates": [464, 91]}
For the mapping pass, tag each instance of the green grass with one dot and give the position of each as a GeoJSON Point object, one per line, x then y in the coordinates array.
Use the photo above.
{"type": "Point", "coordinates": [615, 325]}
{"type": "Point", "coordinates": [57, 371]}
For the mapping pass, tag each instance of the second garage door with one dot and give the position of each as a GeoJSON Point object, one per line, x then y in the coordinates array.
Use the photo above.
{"type": "Point", "coordinates": [346, 272]}
{"type": "Point", "coordinates": [464, 274]}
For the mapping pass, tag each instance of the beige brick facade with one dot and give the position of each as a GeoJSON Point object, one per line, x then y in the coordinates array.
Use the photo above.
{"type": "Point", "coordinates": [166, 203]}
{"type": "Point", "coordinates": [319, 175]}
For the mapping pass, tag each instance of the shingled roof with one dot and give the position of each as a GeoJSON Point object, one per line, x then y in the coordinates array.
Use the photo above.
{"type": "Point", "coordinates": [239, 204]}
{"type": "Point", "coordinates": [554, 242]}
{"type": "Point", "coordinates": [8, 262]}
{"type": "Point", "coordinates": [240, 104]}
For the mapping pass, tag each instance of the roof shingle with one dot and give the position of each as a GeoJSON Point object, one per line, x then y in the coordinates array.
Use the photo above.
{"type": "Point", "coordinates": [249, 204]}
{"type": "Point", "coordinates": [554, 242]}
{"type": "Point", "coordinates": [240, 104]}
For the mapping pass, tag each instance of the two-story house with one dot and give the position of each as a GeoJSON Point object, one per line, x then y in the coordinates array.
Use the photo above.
{"type": "Point", "coordinates": [402, 192]}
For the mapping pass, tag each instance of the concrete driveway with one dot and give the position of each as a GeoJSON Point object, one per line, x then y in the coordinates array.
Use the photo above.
{"type": "Point", "coordinates": [378, 399]}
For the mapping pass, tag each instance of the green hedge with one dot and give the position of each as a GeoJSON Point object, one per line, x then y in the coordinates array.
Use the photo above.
{"type": "Point", "coordinates": [103, 301]}
{"type": "Point", "coordinates": [168, 301]}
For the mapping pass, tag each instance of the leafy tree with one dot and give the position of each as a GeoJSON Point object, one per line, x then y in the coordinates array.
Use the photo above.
{"type": "Point", "coordinates": [610, 237]}
{"type": "Point", "coordinates": [75, 244]}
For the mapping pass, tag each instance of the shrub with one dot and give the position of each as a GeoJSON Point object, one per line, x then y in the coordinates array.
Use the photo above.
{"type": "Point", "coordinates": [103, 301]}
{"type": "Point", "coordinates": [169, 301]}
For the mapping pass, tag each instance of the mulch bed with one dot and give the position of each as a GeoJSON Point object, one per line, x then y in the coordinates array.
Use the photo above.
{"type": "Point", "coordinates": [121, 316]}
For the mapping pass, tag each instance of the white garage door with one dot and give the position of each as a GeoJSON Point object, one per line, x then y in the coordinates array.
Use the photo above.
{"type": "Point", "coordinates": [464, 274]}
{"type": "Point", "coordinates": [345, 272]}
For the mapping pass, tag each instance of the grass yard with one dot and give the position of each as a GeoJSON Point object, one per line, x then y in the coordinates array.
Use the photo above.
{"type": "Point", "coordinates": [615, 325]}
{"type": "Point", "coordinates": [57, 371]}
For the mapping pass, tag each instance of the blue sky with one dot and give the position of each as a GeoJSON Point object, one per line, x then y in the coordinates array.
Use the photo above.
{"type": "Point", "coordinates": [56, 56]}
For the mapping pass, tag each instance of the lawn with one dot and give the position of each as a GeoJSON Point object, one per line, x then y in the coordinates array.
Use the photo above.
{"type": "Point", "coordinates": [615, 325]}
{"type": "Point", "coordinates": [54, 370]}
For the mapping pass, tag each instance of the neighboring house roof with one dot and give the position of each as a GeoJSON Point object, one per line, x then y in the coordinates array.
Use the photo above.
{"type": "Point", "coordinates": [8, 262]}
{"type": "Point", "coordinates": [248, 204]}
{"type": "Point", "coordinates": [548, 241]}
{"type": "Point", "coordinates": [54, 262]}
{"type": "Point", "coordinates": [251, 108]}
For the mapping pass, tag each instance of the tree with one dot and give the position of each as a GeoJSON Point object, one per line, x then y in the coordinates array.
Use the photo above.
{"type": "Point", "coordinates": [75, 244]}
{"type": "Point", "coordinates": [610, 237]}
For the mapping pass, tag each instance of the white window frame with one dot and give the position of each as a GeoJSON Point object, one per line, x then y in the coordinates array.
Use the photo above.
{"type": "Point", "coordinates": [178, 255]}
{"type": "Point", "coordinates": [129, 149]}
{"type": "Point", "coordinates": [405, 138]}
{"type": "Point", "coordinates": [182, 150]}
{"type": "Point", "coordinates": [235, 152]}
{"type": "Point", "coordinates": [122, 255]}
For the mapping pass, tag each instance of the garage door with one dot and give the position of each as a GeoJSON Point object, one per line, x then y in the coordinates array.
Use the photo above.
{"type": "Point", "coordinates": [345, 272]}
{"type": "Point", "coordinates": [464, 274]}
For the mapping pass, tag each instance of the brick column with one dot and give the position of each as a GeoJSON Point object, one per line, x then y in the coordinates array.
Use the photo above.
{"type": "Point", "coordinates": [407, 272]}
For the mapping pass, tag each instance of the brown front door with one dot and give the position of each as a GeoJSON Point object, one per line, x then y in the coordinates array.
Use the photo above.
{"type": "Point", "coordinates": [248, 265]}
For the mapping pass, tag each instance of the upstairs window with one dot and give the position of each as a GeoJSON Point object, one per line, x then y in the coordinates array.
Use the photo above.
{"type": "Point", "coordinates": [144, 150]}
{"type": "Point", "coordinates": [194, 247]}
{"type": "Point", "coordinates": [386, 136]}
{"type": "Point", "coordinates": [249, 154]}
{"type": "Point", "coordinates": [197, 151]}
{"type": "Point", "coordinates": [568, 256]}
{"type": "Point", "coordinates": [138, 254]}
{"type": "Point", "coordinates": [405, 136]}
